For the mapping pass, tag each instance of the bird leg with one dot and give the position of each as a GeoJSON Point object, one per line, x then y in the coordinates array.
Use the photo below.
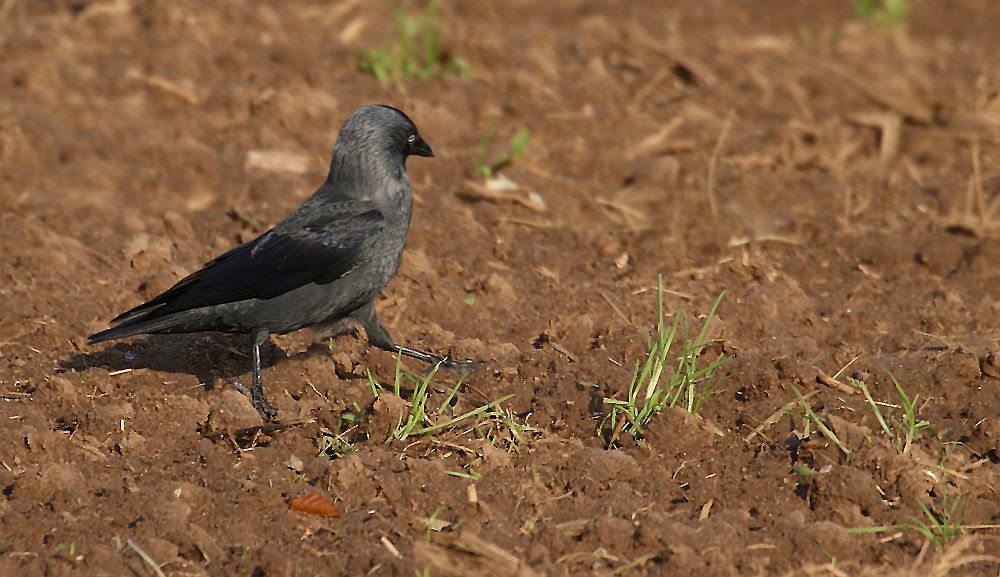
{"type": "Point", "coordinates": [378, 336]}
{"type": "Point", "coordinates": [257, 388]}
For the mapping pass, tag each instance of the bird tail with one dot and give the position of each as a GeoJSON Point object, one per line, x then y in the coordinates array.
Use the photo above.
{"type": "Point", "coordinates": [134, 326]}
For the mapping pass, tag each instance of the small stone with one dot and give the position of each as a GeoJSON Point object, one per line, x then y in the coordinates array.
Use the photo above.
{"type": "Point", "coordinates": [501, 289]}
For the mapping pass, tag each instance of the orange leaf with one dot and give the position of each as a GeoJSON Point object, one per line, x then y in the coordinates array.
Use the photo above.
{"type": "Point", "coordinates": [314, 504]}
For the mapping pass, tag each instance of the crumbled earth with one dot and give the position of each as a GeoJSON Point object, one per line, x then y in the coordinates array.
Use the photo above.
{"type": "Point", "coordinates": [837, 178]}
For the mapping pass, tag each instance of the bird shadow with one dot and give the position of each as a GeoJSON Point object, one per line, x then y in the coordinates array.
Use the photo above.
{"type": "Point", "coordinates": [208, 358]}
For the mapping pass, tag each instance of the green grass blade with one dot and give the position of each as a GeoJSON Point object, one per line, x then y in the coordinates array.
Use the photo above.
{"type": "Point", "coordinates": [462, 417]}
{"type": "Point", "coordinates": [812, 416]}
{"type": "Point", "coordinates": [874, 406]}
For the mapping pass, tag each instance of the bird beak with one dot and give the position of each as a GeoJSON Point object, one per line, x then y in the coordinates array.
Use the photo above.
{"type": "Point", "coordinates": [421, 148]}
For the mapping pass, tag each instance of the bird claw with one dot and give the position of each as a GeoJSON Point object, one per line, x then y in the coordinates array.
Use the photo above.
{"type": "Point", "coordinates": [266, 409]}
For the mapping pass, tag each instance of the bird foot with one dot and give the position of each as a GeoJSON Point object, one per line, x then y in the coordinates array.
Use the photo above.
{"type": "Point", "coordinates": [266, 409]}
{"type": "Point", "coordinates": [464, 365]}
{"type": "Point", "coordinates": [445, 362]}
{"type": "Point", "coordinates": [260, 403]}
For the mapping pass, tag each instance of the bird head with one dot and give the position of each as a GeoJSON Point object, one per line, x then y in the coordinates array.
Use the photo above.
{"type": "Point", "coordinates": [382, 129]}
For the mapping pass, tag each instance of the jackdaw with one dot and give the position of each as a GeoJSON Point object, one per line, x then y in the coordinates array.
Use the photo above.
{"type": "Point", "coordinates": [325, 262]}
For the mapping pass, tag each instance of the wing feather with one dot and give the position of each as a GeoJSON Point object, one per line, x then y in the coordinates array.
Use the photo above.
{"type": "Point", "coordinates": [319, 251]}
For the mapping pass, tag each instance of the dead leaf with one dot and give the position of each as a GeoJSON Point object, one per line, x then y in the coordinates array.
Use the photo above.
{"type": "Point", "coordinates": [314, 504]}
{"type": "Point", "coordinates": [499, 192]}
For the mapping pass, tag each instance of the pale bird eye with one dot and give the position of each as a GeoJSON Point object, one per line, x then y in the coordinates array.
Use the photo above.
{"type": "Point", "coordinates": [412, 138]}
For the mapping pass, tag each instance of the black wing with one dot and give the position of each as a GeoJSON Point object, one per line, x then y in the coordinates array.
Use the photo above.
{"type": "Point", "coordinates": [318, 251]}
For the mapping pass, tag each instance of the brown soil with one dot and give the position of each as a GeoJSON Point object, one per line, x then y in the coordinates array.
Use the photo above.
{"type": "Point", "coordinates": [851, 216]}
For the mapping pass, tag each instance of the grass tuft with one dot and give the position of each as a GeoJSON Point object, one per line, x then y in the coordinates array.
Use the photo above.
{"type": "Point", "coordinates": [937, 528]}
{"type": "Point", "coordinates": [662, 380]}
{"type": "Point", "coordinates": [902, 432]}
{"type": "Point", "coordinates": [419, 419]}
{"type": "Point", "coordinates": [516, 148]}
{"type": "Point", "coordinates": [505, 430]}
{"type": "Point", "coordinates": [414, 49]}
{"type": "Point", "coordinates": [884, 12]}
{"type": "Point", "coordinates": [337, 442]}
